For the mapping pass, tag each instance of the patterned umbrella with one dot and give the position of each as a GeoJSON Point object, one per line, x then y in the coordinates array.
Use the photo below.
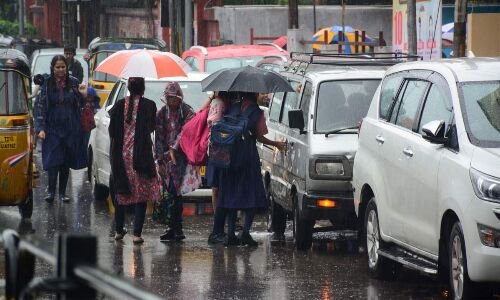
{"type": "Point", "coordinates": [333, 37]}
{"type": "Point", "coordinates": [144, 63]}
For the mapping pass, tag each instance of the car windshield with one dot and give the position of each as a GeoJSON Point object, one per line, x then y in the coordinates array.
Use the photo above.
{"type": "Point", "coordinates": [191, 90]}
{"type": "Point", "coordinates": [42, 65]}
{"type": "Point", "coordinates": [343, 103]}
{"type": "Point", "coordinates": [12, 96]}
{"type": "Point", "coordinates": [213, 65]}
{"type": "Point", "coordinates": [481, 103]}
{"type": "Point", "coordinates": [100, 76]}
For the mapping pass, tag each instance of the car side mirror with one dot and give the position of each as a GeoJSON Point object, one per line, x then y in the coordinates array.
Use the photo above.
{"type": "Point", "coordinates": [434, 132]}
{"type": "Point", "coordinates": [296, 119]}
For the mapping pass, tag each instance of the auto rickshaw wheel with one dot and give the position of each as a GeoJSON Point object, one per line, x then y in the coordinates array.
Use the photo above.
{"type": "Point", "coordinates": [26, 208]}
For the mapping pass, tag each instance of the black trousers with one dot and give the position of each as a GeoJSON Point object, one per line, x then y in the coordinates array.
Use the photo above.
{"type": "Point", "coordinates": [139, 216]}
{"type": "Point", "coordinates": [63, 173]}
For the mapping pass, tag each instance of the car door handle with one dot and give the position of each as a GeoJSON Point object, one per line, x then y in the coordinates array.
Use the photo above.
{"type": "Point", "coordinates": [408, 152]}
{"type": "Point", "coordinates": [380, 139]}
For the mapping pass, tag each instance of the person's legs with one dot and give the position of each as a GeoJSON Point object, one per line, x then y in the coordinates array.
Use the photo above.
{"type": "Point", "coordinates": [245, 237]}
{"type": "Point", "coordinates": [215, 194]}
{"type": "Point", "coordinates": [217, 235]}
{"type": "Point", "coordinates": [52, 172]}
{"type": "Point", "coordinates": [140, 214]}
{"type": "Point", "coordinates": [139, 217]}
{"type": "Point", "coordinates": [63, 182]}
{"type": "Point", "coordinates": [119, 222]}
{"type": "Point", "coordinates": [174, 230]}
{"type": "Point", "coordinates": [231, 238]}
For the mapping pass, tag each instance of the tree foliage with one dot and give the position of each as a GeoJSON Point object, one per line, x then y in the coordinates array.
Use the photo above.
{"type": "Point", "coordinates": [11, 28]}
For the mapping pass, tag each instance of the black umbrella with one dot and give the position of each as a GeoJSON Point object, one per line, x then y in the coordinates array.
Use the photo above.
{"type": "Point", "coordinates": [246, 79]}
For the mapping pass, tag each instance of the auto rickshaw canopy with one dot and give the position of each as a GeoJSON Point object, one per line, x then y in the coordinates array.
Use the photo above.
{"type": "Point", "coordinates": [12, 59]}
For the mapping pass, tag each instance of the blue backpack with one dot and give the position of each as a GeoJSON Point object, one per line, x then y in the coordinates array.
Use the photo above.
{"type": "Point", "coordinates": [230, 137]}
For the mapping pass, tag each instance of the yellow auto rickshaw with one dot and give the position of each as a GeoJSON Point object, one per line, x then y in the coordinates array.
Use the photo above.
{"type": "Point", "coordinates": [16, 132]}
{"type": "Point", "coordinates": [100, 48]}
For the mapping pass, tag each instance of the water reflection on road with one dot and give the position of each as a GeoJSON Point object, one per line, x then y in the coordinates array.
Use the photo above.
{"type": "Point", "coordinates": [333, 269]}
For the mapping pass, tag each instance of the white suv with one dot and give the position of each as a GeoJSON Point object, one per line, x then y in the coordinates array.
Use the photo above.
{"type": "Point", "coordinates": [427, 172]}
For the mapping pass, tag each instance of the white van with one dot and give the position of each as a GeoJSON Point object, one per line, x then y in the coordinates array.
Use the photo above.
{"type": "Point", "coordinates": [427, 172]}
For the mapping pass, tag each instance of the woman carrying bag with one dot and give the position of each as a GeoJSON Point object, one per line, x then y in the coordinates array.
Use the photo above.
{"type": "Point", "coordinates": [134, 178]}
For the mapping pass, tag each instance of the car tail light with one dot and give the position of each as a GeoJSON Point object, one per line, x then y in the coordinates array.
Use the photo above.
{"type": "Point", "coordinates": [326, 203]}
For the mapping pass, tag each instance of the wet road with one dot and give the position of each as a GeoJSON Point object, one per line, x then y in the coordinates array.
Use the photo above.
{"type": "Point", "coordinates": [333, 269]}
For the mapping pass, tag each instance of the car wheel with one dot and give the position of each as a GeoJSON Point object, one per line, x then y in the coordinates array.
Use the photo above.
{"type": "Point", "coordinates": [26, 208]}
{"type": "Point", "coordinates": [303, 229]}
{"type": "Point", "coordinates": [461, 286]}
{"type": "Point", "coordinates": [379, 266]}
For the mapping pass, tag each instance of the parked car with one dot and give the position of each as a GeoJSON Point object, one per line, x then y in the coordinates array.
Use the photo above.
{"type": "Point", "coordinates": [273, 63]}
{"type": "Point", "coordinates": [211, 59]}
{"type": "Point", "coordinates": [427, 173]}
{"type": "Point", "coordinates": [312, 179]}
{"type": "Point", "coordinates": [41, 58]}
{"type": "Point", "coordinates": [98, 148]}
{"type": "Point", "coordinates": [100, 48]}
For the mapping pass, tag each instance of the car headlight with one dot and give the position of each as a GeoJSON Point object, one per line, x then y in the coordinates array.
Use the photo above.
{"type": "Point", "coordinates": [486, 187]}
{"type": "Point", "coordinates": [329, 168]}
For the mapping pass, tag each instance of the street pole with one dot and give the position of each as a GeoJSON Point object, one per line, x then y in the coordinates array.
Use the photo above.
{"type": "Point", "coordinates": [21, 17]}
{"type": "Point", "coordinates": [459, 28]}
{"type": "Point", "coordinates": [293, 14]}
{"type": "Point", "coordinates": [188, 24]}
{"type": "Point", "coordinates": [411, 11]}
{"type": "Point", "coordinates": [314, 15]}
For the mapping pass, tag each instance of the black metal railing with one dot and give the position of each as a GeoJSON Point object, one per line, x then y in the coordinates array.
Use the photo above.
{"type": "Point", "coordinates": [76, 274]}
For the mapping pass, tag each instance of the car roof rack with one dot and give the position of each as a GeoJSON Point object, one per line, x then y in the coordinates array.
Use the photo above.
{"type": "Point", "coordinates": [353, 59]}
{"type": "Point", "coordinates": [272, 45]}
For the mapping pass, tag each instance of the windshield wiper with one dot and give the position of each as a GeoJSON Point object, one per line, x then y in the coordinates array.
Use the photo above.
{"type": "Point", "coordinates": [340, 130]}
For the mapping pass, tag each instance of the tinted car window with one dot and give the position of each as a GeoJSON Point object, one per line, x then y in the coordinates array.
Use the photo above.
{"type": "Point", "coordinates": [212, 65]}
{"type": "Point", "coordinates": [274, 112]}
{"type": "Point", "coordinates": [193, 63]}
{"type": "Point", "coordinates": [481, 109]}
{"type": "Point", "coordinates": [291, 102]}
{"type": "Point", "coordinates": [390, 87]}
{"type": "Point", "coordinates": [100, 76]}
{"type": "Point", "coordinates": [306, 99]}
{"type": "Point", "coordinates": [407, 106]}
{"type": "Point", "coordinates": [112, 94]}
{"type": "Point", "coordinates": [343, 103]}
{"type": "Point", "coordinates": [435, 108]}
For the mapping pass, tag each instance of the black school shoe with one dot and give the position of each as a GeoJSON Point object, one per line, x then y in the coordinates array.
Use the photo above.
{"type": "Point", "coordinates": [49, 198]}
{"type": "Point", "coordinates": [64, 198]}
{"type": "Point", "coordinates": [246, 239]}
{"type": "Point", "coordinates": [172, 235]}
{"type": "Point", "coordinates": [232, 240]}
{"type": "Point", "coordinates": [215, 238]}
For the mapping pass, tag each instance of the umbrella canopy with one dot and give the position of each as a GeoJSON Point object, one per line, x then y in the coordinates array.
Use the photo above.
{"type": "Point", "coordinates": [333, 36]}
{"type": "Point", "coordinates": [246, 79]}
{"type": "Point", "coordinates": [144, 63]}
{"type": "Point", "coordinates": [447, 32]}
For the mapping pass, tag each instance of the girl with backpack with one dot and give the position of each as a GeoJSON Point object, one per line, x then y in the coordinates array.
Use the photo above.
{"type": "Point", "coordinates": [242, 188]}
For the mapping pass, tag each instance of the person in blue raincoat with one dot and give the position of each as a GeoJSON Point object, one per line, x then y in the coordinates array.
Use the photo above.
{"type": "Point", "coordinates": [58, 125]}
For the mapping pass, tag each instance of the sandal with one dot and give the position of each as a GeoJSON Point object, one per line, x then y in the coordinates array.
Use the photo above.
{"type": "Point", "coordinates": [137, 240]}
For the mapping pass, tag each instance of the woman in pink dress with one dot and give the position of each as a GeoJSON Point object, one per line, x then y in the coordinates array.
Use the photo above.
{"type": "Point", "coordinates": [134, 178]}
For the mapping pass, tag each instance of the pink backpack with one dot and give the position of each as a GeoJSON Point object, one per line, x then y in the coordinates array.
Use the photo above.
{"type": "Point", "coordinates": [194, 138]}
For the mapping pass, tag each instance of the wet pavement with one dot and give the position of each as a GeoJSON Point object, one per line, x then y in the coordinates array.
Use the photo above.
{"type": "Point", "coordinates": [192, 269]}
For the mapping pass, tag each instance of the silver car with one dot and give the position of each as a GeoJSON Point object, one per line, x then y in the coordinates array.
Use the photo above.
{"type": "Point", "coordinates": [312, 179]}
{"type": "Point", "coordinates": [98, 149]}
